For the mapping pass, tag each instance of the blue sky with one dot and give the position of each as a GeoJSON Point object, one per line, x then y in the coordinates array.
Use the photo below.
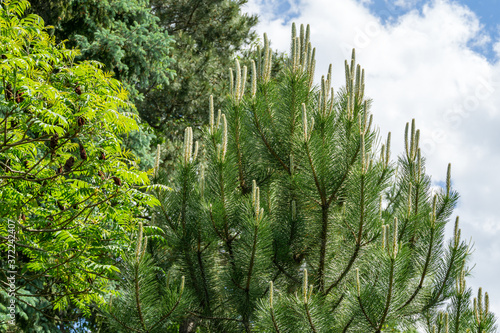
{"type": "Point", "coordinates": [486, 10]}
{"type": "Point", "coordinates": [390, 10]}
{"type": "Point", "coordinates": [433, 60]}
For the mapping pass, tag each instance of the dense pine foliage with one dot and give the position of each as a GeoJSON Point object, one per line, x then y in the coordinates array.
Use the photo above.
{"type": "Point", "coordinates": [289, 216]}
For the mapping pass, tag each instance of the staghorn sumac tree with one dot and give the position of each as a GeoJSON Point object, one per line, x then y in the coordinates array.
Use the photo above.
{"type": "Point", "coordinates": [65, 183]}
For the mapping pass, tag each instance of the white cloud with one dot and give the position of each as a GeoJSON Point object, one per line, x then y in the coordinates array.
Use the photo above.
{"type": "Point", "coordinates": [496, 48]}
{"type": "Point", "coordinates": [404, 3]}
{"type": "Point", "coordinates": [421, 66]}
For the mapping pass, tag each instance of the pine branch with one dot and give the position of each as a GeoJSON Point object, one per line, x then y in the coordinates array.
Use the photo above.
{"type": "Point", "coordinates": [316, 181]}
{"type": "Point", "coordinates": [275, 324]}
{"type": "Point", "coordinates": [346, 270]}
{"type": "Point", "coordinates": [213, 224]}
{"type": "Point", "coordinates": [123, 324]}
{"type": "Point", "coordinates": [344, 176]}
{"type": "Point", "coordinates": [322, 254]}
{"type": "Point", "coordinates": [168, 314]}
{"type": "Point", "coordinates": [309, 318]}
{"type": "Point", "coordinates": [202, 271]}
{"type": "Point", "coordinates": [452, 263]}
{"type": "Point", "coordinates": [214, 318]}
{"type": "Point", "coordinates": [358, 238]}
{"type": "Point", "coordinates": [137, 297]}
{"type": "Point", "coordinates": [268, 146]}
{"type": "Point", "coordinates": [346, 327]}
{"type": "Point", "coordinates": [389, 295]}
{"type": "Point", "coordinates": [282, 270]}
{"type": "Point", "coordinates": [424, 271]}
{"type": "Point", "coordinates": [372, 324]}
{"type": "Point", "coordinates": [239, 154]}
{"type": "Point", "coordinates": [252, 258]}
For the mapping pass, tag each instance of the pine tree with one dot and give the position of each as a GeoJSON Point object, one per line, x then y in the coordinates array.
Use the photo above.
{"type": "Point", "coordinates": [290, 216]}
{"type": "Point", "coordinates": [144, 303]}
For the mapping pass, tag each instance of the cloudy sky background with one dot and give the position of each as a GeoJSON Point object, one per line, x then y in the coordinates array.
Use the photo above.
{"type": "Point", "coordinates": [433, 60]}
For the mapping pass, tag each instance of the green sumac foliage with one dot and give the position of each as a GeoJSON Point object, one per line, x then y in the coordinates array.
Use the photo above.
{"type": "Point", "coordinates": [65, 183]}
{"type": "Point", "coordinates": [292, 185]}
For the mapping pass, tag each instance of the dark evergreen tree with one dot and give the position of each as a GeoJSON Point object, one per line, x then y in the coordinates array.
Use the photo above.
{"type": "Point", "coordinates": [208, 35]}
{"type": "Point", "coordinates": [127, 38]}
{"type": "Point", "coordinates": [130, 40]}
{"type": "Point", "coordinates": [124, 35]}
{"type": "Point", "coordinates": [288, 216]}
